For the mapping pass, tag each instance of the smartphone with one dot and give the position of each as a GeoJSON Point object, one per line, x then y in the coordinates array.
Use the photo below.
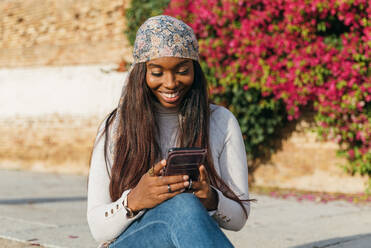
{"type": "Point", "coordinates": [184, 161]}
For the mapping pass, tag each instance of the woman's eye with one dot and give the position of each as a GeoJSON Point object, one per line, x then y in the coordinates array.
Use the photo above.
{"type": "Point", "coordinates": [183, 72]}
{"type": "Point", "coordinates": [156, 74]}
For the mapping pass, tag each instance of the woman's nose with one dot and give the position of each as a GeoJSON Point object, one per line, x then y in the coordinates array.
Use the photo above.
{"type": "Point", "coordinates": [169, 81]}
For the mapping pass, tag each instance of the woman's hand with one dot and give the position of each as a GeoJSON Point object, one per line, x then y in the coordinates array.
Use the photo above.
{"type": "Point", "coordinates": [153, 189]}
{"type": "Point", "coordinates": [207, 195]}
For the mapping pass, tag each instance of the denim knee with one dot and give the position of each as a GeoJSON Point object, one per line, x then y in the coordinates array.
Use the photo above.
{"type": "Point", "coordinates": [151, 234]}
{"type": "Point", "coordinates": [187, 223]}
{"type": "Point", "coordinates": [186, 205]}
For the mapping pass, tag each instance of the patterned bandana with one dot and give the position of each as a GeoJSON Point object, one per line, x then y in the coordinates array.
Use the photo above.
{"type": "Point", "coordinates": [160, 36]}
{"type": "Point", "coordinates": [164, 36]}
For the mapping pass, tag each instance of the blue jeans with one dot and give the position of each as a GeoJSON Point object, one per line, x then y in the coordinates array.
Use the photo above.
{"type": "Point", "coordinates": [181, 221]}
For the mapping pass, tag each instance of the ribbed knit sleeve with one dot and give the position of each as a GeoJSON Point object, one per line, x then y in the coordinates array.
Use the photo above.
{"type": "Point", "coordinates": [231, 164]}
{"type": "Point", "coordinates": [106, 219]}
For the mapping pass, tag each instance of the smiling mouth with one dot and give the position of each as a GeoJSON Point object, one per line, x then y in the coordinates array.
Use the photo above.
{"type": "Point", "coordinates": [170, 97]}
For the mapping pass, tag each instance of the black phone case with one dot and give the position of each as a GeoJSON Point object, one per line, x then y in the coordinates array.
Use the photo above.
{"type": "Point", "coordinates": [185, 161]}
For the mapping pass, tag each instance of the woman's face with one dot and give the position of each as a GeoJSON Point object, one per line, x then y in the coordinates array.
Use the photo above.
{"type": "Point", "coordinates": [169, 79]}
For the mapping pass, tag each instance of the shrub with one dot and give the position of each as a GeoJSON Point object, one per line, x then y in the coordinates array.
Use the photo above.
{"type": "Point", "coordinates": [139, 11]}
{"type": "Point", "coordinates": [259, 117]}
{"type": "Point", "coordinates": [259, 53]}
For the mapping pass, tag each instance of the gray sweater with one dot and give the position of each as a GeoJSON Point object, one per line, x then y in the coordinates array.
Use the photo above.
{"type": "Point", "coordinates": [107, 219]}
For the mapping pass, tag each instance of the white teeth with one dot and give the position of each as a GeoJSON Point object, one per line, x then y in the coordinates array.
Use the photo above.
{"type": "Point", "coordinates": [172, 95]}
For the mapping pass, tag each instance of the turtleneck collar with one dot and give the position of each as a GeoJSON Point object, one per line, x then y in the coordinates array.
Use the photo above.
{"type": "Point", "coordinates": [159, 109]}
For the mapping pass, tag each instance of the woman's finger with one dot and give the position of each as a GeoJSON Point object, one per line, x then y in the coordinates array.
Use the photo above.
{"type": "Point", "coordinates": [157, 167]}
{"type": "Point", "coordinates": [171, 179]}
{"type": "Point", "coordinates": [173, 187]}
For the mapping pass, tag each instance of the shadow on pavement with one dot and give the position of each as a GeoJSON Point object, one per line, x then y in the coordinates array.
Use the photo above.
{"type": "Point", "coordinates": [40, 200]}
{"type": "Point", "coordinates": [339, 242]}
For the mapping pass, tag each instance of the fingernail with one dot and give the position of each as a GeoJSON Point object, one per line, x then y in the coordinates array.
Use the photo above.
{"type": "Point", "coordinates": [185, 177]}
{"type": "Point", "coordinates": [186, 184]}
{"type": "Point", "coordinates": [163, 161]}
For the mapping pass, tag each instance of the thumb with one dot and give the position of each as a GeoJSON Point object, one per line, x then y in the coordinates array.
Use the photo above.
{"type": "Point", "coordinates": [157, 167]}
{"type": "Point", "coordinates": [203, 173]}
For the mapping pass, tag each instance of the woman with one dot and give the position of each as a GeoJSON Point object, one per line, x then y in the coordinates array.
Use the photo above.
{"type": "Point", "coordinates": [165, 104]}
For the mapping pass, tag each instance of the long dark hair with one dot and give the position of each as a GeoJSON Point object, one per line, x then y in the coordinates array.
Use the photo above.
{"type": "Point", "coordinates": [138, 127]}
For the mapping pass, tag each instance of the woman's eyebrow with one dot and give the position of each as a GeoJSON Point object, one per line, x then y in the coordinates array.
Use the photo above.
{"type": "Point", "coordinates": [176, 66]}
{"type": "Point", "coordinates": [154, 65]}
{"type": "Point", "coordinates": [182, 63]}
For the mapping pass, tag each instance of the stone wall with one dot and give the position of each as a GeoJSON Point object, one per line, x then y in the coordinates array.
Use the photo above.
{"type": "Point", "coordinates": [304, 162]}
{"type": "Point", "coordinates": [49, 116]}
{"type": "Point", "coordinates": [50, 143]}
{"type": "Point", "coordinates": [62, 32]}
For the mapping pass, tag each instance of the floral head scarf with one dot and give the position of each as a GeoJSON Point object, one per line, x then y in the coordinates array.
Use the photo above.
{"type": "Point", "coordinates": [164, 36]}
{"type": "Point", "coordinates": [160, 36]}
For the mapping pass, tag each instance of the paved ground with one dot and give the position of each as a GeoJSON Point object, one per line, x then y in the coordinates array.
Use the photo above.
{"type": "Point", "coordinates": [49, 210]}
{"type": "Point", "coordinates": [8, 243]}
